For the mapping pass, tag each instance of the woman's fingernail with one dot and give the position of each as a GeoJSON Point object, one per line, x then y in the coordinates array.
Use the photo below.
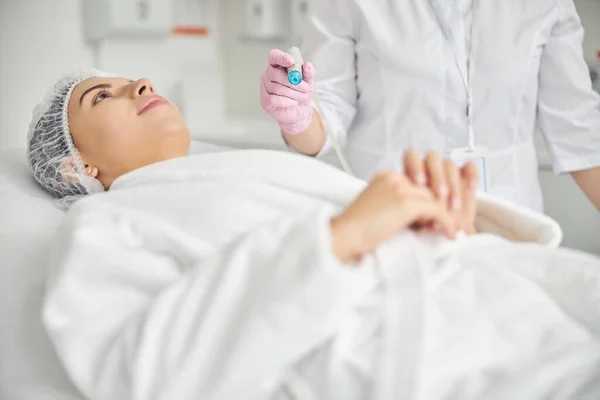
{"type": "Point", "coordinates": [473, 184]}
{"type": "Point", "coordinates": [456, 203]}
{"type": "Point", "coordinates": [421, 180]}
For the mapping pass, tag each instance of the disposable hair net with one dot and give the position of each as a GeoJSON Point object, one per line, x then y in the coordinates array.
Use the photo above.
{"type": "Point", "coordinates": [54, 161]}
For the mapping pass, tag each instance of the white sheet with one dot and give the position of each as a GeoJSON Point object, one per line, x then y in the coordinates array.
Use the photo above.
{"type": "Point", "coordinates": [29, 368]}
{"type": "Point", "coordinates": [159, 290]}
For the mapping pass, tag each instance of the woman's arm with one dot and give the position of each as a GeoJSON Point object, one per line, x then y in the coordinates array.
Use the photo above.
{"type": "Point", "coordinates": [569, 109]}
{"type": "Point", "coordinates": [329, 44]}
{"type": "Point", "coordinates": [135, 311]}
{"type": "Point", "coordinates": [589, 181]}
{"type": "Point", "coordinates": [311, 141]}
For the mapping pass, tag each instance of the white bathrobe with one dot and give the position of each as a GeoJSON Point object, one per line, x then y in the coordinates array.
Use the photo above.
{"type": "Point", "coordinates": [211, 277]}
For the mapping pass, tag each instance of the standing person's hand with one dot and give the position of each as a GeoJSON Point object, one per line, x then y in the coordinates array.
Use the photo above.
{"type": "Point", "coordinates": [291, 106]}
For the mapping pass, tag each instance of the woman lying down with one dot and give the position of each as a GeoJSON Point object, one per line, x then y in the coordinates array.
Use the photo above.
{"type": "Point", "coordinates": [267, 275]}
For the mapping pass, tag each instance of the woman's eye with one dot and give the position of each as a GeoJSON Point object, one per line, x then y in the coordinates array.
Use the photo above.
{"type": "Point", "coordinates": [101, 96]}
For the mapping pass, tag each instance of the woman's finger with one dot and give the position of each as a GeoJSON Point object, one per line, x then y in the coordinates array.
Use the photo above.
{"type": "Point", "coordinates": [435, 175]}
{"type": "Point", "coordinates": [469, 181]}
{"type": "Point", "coordinates": [470, 174]}
{"type": "Point", "coordinates": [453, 180]}
{"type": "Point", "coordinates": [406, 189]}
{"type": "Point", "coordinates": [421, 192]}
{"type": "Point", "coordinates": [414, 168]}
{"type": "Point", "coordinates": [431, 211]}
{"type": "Point", "coordinates": [424, 194]}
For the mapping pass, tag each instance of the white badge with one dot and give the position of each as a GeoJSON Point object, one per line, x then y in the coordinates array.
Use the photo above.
{"type": "Point", "coordinates": [478, 156]}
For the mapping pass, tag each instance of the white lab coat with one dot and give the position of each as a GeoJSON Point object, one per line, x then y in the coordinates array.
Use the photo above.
{"type": "Point", "coordinates": [387, 80]}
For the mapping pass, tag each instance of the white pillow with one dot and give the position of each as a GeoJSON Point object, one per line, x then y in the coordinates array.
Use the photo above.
{"type": "Point", "coordinates": [28, 222]}
{"type": "Point", "coordinates": [198, 147]}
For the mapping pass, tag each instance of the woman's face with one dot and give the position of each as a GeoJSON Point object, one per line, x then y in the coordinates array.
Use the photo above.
{"type": "Point", "coordinates": [120, 125]}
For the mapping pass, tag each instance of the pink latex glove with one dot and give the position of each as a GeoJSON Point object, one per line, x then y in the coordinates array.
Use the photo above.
{"type": "Point", "coordinates": [290, 105]}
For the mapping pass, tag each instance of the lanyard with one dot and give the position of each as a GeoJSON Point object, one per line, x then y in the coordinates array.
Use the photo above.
{"type": "Point", "coordinates": [468, 78]}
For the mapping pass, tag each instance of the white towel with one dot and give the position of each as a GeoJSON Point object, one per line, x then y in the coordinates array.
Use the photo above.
{"type": "Point", "coordinates": [212, 277]}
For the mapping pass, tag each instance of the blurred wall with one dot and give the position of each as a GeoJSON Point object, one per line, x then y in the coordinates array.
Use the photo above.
{"type": "Point", "coordinates": [39, 41]}
{"type": "Point", "coordinates": [42, 39]}
{"type": "Point", "coordinates": [246, 59]}
{"type": "Point", "coordinates": [589, 11]}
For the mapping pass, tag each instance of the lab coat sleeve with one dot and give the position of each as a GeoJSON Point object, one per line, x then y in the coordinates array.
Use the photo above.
{"type": "Point", "coordinates": [329, 44]}
{"type": "Point", "coordinates": [130, 321]}
{"type": "Point", "coordinates": [569, 109]}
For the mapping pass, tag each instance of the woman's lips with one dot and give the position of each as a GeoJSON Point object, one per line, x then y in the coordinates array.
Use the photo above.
{"type": "Point", "coordinates": [151, 102]}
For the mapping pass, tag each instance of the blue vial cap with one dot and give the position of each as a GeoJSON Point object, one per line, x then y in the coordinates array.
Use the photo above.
{"type": "Point", "coordinates": [295, 78]}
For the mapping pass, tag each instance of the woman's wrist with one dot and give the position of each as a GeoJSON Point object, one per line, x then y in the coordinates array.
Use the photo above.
{"type": "Point", "coordinates": [343, 240]}
{"type": "Point", "coordinates": [300, 126]}
{"type": "Point", "coordinates": [471, 230]}
{"type": "Point", "coordinates": [309, 142]}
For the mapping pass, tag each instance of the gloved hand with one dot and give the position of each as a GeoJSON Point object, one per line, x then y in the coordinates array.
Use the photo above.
{"type": "Point", "coordinates": [289, 105]}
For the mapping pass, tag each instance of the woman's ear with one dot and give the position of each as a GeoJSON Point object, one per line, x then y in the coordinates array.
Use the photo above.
{"type": "Point", "coordinates": [91, 171]}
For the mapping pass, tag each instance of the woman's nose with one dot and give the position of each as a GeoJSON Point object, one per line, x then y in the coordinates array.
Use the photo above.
{"type": "Point", "coordinates": [142, 87]}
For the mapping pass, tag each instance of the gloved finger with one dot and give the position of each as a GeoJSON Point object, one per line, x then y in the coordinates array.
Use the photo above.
{"type": "Point", "coordinates": [308, 73]}
{"type": "Point", "coordinates": [278, 75]}
{"type": "Point", "coordinates": [278, 58]}
{"type": "Point", "coordinates": [413, 167]}
{"type": "Point", "coordinates": [284, 91]}
{"type": "Point", "coordinates": [272, 103]}
{"type": "Point", "coordinates": [436, 176]}
{"type": "Point", "coordinates": [453, 180]}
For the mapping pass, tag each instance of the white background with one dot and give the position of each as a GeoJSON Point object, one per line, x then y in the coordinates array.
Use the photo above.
{"type": "Point", "coordinates": [42, 39]}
